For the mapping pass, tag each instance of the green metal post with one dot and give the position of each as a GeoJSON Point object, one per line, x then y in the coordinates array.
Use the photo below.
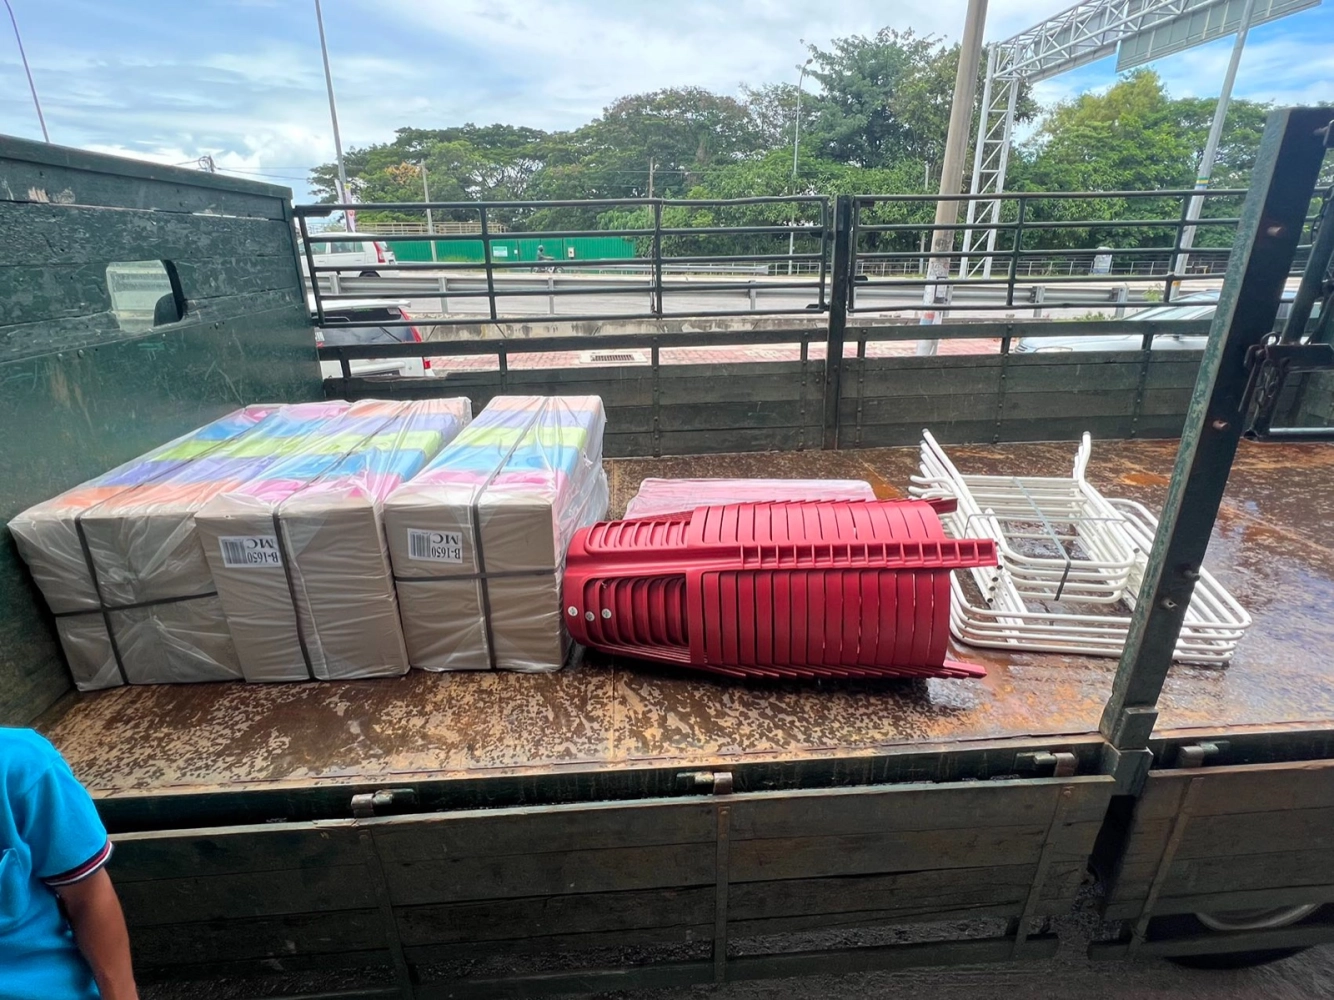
{"type": "Point", "coordinates": [838, 317]}
{"type": "Point", "coordinates": [1282, 183]}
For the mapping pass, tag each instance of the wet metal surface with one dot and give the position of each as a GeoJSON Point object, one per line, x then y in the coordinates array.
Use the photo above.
{"type": "Point", "coordinates": [1271, 547]}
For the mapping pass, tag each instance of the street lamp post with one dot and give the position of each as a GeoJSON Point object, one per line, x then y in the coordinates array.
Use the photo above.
{"type": "Point", "coordinates": [430, 223]}
{"type": "Point", "coordinates": [1215, 136]}
{"type": "Point", "coordinates": [796, 148]}
{"type": "Point", "coordinates": [41, 119]}
{"type": "Point", "coordinates": [333, 112]}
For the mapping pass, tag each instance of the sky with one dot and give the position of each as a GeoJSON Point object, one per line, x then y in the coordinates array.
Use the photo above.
{"type": "Point", "coordinates": [241, 80]}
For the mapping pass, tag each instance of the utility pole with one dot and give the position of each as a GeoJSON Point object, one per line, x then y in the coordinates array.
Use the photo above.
{"type": "Point", "coordinates": [651, 164]}
{"type": "Point", "coordinates": [796, 147]}
{"type": "Point", "coordinates": [426, 197]}
{"type": "Point", "coordinates": [41, 119]}
{"type": "Point", "coordinates": [935, 297]}
{"type": "Point", "coordinates": [1215, 136]}
{"type": "Point", "coordinates": [333, 114]}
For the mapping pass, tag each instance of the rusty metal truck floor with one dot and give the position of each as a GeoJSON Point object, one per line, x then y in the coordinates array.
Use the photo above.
{"type": "Point", "coordinates": [1272, 547]}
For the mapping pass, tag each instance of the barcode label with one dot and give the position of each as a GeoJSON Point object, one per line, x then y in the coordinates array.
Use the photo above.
{"type": "Point", "coordinates": [435, 546]}
{"type": "Point", "coordinates": [249, 551]}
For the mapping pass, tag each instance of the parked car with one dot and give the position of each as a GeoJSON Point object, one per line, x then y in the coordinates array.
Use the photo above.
{"type": "Point", "coordinates": [337, 331]}
{"type": "Point", "coordinates": [362, 256]}
{"type": "Point", "coordinates": [1197, 305]}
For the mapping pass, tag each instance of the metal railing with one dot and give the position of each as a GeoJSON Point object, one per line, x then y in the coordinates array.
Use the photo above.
{"type": "Point", "coordinates": [1026, 226]}
{"type": "Point", "coordinates": [776, 256]}
{"type": "Point", "coordinates": [674, 233]}
{"type": "Point", "coordinates": [848, 235]}
{"type": "Point", "coordinates": [443, 227]}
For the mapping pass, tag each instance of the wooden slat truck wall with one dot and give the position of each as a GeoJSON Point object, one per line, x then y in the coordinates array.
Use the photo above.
{"type": "Point", "coordinates": [1218, 839]}
{"type": "Point", "coordinates": [445, 887]}
{"type": "Point", "coordinates": [1248, 836]}
{"type": "Point", "coordinates": [78, 394]}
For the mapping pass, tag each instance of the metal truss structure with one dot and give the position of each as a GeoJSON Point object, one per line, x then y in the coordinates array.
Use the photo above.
{"type": "Point", "coordinates": [1086, 32]}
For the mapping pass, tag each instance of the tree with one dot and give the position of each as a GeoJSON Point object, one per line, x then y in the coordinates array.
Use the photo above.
{"type": "Point", "coordinates": [1242, 128]}
{"type": "Point", "coordinates": [682, 132]}
{"type": "Point", "coordinates": [771, 176]}
{"type": "Point", "coordinates": [773, 111]}
{"type": "Point", "coordinates": [1128, 138]}
{"type": "Point", "coordinates": [856, 117]}
{"type": "Point", "coordinates": [875, 113]}
{"type": "Point", "coordinates": [466, 163]}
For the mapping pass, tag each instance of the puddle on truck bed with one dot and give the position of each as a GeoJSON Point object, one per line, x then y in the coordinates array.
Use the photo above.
{"type": "Point", "coordinates": [1271, 547]}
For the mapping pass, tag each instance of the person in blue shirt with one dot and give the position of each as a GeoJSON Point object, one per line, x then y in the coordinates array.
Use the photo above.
{"type": "Point", "coordinates": [62, 933]}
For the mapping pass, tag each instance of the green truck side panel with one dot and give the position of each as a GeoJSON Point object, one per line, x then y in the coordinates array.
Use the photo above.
{"type": "Point", "coordinates": [576, 876]}
{"type": "Point", "coordinates": [511, 249]}
{"type": "Point", "coordinates": [78, 392]}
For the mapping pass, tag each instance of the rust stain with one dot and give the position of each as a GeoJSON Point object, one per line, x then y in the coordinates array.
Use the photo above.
{"type": "Point", "coordinates": [1268, 547]}
{"type": "Point", "coordinates": [1145, 479]}
{"type": "Point", "coordinates": [883, 490]}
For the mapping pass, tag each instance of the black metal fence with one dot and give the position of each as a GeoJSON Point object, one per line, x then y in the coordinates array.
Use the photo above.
{"type": "Point", "coordinates": [1048, 238]}
{"type": "Point", "coordinates": [674, 235]}
{"type": "Point", "coordinates": [834, 367]}
{"type": "Point", "coordinates": [1052, 250]}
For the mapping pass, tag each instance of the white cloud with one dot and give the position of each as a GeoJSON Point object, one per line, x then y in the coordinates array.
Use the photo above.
{"type": "Point", "coordinates": [243, 81]}
{"type": "Point", "coordinates": [1266, 71]}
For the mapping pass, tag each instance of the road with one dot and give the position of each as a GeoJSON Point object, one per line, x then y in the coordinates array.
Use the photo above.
{"type": "Point", "coordinates": [1069, 976]}
{"type": "Point", "coordinates": [557, 295]}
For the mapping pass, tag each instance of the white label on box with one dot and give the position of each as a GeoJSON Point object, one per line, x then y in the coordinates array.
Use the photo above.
{"type": "Point", "coordinates": [435, 546]}
{"type": "Point", "coordinates": [249, 551]}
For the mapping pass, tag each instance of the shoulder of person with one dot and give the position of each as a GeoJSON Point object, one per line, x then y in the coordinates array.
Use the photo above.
{"type": "Point", "coordinates": [26, 750]}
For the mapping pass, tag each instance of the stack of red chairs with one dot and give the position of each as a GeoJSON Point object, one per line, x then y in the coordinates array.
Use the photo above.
{"type": "Point", "coordinates": [836, 589]}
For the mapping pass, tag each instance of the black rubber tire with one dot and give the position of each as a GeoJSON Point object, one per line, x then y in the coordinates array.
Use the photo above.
{"type": "Point", "coordinates": [1186, 924]}
{"type": "Point", "coordinates": [369, 274]}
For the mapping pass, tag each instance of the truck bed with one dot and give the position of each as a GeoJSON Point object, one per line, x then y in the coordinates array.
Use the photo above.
{"type": "Point", "coordinates": [1268, 548]}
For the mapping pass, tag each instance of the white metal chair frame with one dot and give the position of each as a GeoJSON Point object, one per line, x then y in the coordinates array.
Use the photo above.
{"type": "Point", "coordinates": [1104, 544]}
{"type": "Point", "coordinates": [1087, 558]}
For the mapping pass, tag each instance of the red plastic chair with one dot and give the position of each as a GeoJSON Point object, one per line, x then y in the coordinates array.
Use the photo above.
{"type": "Point", "coordinates": [778, 590]}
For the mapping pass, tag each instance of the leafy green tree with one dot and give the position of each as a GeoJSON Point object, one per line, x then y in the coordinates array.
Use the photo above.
{"type": "Point", "coordinates": [467, 163]}
{"type": "Point", "coordinates": [861, 81]}
{"type": "Point", "coordinates": [1242, 128]}
{"type": "Point", "coordinates": [887, 98]}
{"type": "Point", "coordinates": [771, 176]}
{"type": "Point", "coordinates": [680, 132]}
{"type": "Point", "coordinates": [773, 110]}
{"type": "Point", "coordinates": [875, 113]}
{"type": "Point", "coordinates": [1128, 138]}
{"type": "Point", "coordinates": [672, 138]}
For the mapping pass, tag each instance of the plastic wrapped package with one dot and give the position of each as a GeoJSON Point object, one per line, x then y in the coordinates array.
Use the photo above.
{"type": "Point", "coordinates": [657, 497]}
{"type": "Point", "coordinates": [478, 538]}
{"type": "Point", "coordinates": [301, 567]}
{"type": "Point", "coordinates": [154, 581]}
{"type": "Point", "coordinates": [48, 537]}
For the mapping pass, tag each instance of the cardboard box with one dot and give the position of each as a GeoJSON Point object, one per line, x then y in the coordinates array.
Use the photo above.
{"type": "Point", "coordinates": [48, 536]}
{"type": "Point", "coordinates": [316, 599]}
{"type": "Point", "coordinates": [477, 540]}
{"type": "Point", "coordinates": [150, 566]}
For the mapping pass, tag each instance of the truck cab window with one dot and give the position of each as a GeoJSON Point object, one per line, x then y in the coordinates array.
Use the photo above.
{"type": "Point", "coordinates": [144, 294]}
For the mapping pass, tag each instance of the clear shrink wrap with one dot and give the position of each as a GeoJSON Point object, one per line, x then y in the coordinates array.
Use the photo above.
{"type": "Point", "coordinates": [657, 497]}
{"type": "Point", "coordinates": [168, 623]}
{"type": "Point", "coordinates": [478, 539]}
{"type": "Point", "coordinates": [301, 567]}
{"type": "Point", "coordinates": [48, 536]}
